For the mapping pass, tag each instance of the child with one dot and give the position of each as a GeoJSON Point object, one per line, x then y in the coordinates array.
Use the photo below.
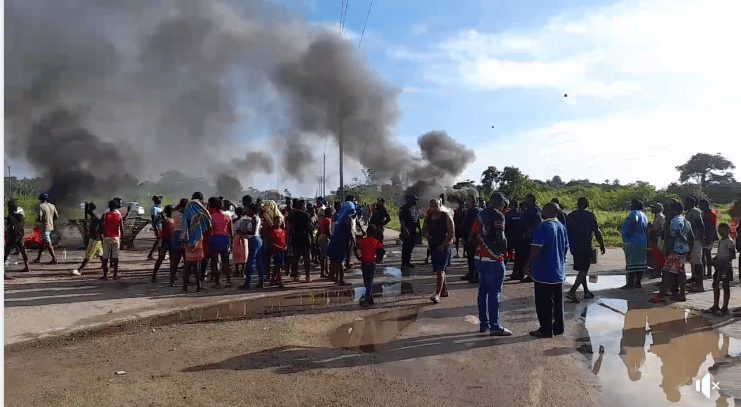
{"type": "Point", "coordinates": [167, 227]}
{"type": "Point", "coordinates": [278, 247]}
{"type": "Point", "coordinates": [239, 249]}
{"type": "Point", "coordinates": [324, 232]}
{"type": "Point", "coordinates": [369, 245]}
{"type": "Point", "coordinates": [723, 271]}
{"type": "Point", "coordinates": [112, 230]}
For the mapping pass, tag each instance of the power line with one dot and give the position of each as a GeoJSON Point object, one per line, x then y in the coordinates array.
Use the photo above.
{"type": "Point", "coordinates": [370, 6]}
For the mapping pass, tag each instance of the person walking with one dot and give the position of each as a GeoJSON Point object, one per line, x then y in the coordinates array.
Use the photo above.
{"type": "Point", "coordinates": [491, 248]}
{"type": "Point", "coordinates": [546, 265]}
{"type": "Point", "coordinates": [410, 230]}
{"type": "Point", "coordinates": [441, 232]}
{"type": "Point", "coordinates": [156, 220]}
{"type": "Point", "coordinates": [581, 225]}
{"type": "Point", "coordinates": [47, 215]}
{"type": "Point", "coordinates": [634, 232]}
{"type": "Point", "coordinates": [14, 224]}
{"type": "Point", "coordinates": [94, 245]}
{"type": "Point", "coordinates": [167, 226]}
{"type": "Point", "coordinates": [176, 252]}
{"type": "Point", "coordinates": [369, 246]}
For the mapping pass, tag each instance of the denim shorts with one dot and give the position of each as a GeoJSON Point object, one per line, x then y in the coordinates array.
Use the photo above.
{"type": "Point", "coordinates": [440, 259]}
{"type": "Point", "coordinates": [46, 237]}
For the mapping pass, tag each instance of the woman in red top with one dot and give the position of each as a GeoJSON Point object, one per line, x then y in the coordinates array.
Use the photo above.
{"type": "Point", "coordinates": [167, 226]}
{"type": "Point", "coordinates": [278, 247]}
{"type": "Point", "coordinates": [220, 242]}
{"type": "Point", "coordinates": [323, 229]}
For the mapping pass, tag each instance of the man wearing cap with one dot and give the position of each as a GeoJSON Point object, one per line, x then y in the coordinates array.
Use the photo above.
{"type": "Point", "coordinates": [410, 229]}
{"type": "Point", "coordinates": [581, 225]}
{"type": "Point", "coordinates": [47, 214]}
{"type": "Point", "coordinates": [656, 235]}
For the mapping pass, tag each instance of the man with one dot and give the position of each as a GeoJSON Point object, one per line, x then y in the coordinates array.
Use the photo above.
{"type": "Point", "coordinates": [656, 236]}
{"type": "Point", "coordinates": [47, 214]}
{"type": "Point", "coordinates": [111, 226]}
{"type": "Point", "coordinates": [491, 248]}
{"type": "Point", "coordinates": [512, 232]}
{"type": "Point", "coordinates": [94, 245]}
{"type": "Point", "coordinates": [441, 232]}
{"type": "Point", "coordinates": [528, 224]}
{"type": "Point", "coordinates": [694, 217]}
{"type": "Point", "coordinates": [710, 219]}
{"type": "Point", "coordinates": [380, 218]}
{"type": "Point", "coordinates": [581, 224]}
{"type": "Point", "coordinates": [156, 220]}
{"type": "Point", "coordinates": [472, 212]}
{"type": "Point", "coordinates": [300, 229]}
{"type": "Point", "coordinates": [410, 229]}
{"type": "Point", "coordinates": [14, 224]}
{"type": "Point", "coordinates": [546, 265]}
{"type": "Point", "coordinates": [561, 214]}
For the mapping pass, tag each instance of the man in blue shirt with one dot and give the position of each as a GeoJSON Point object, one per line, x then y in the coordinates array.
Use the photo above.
{"type": "Point", "coordinates": [546, 266]}
{"type": "Point", "coordinates": [155, 213]}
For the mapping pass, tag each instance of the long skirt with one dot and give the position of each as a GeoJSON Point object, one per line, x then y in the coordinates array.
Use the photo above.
{"type": "Point", "coordinates": [636, 257]}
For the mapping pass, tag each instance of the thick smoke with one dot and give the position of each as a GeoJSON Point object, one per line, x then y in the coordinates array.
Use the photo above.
{"type": "Point", "coordinates": [158, 86]}
{"type": "Point", "coordinates": [443, 159]}
{"type": "Point", "coordinates": [255, 161]}
{"type": "Point", "coordinates": [228, 186]}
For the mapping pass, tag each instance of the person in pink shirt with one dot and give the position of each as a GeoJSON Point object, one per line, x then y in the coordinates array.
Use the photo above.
{"type": "Point", "coordinates": [112, 229]}
{"type": "Point", "coordinates": [220, 242]}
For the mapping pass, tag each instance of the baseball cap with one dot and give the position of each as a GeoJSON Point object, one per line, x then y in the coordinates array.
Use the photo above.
{"type": "Point", "coordinates": [658, 206]}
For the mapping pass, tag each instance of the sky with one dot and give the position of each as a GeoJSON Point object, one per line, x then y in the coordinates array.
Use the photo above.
{"type": "Point", "coordinates": [622, 90]}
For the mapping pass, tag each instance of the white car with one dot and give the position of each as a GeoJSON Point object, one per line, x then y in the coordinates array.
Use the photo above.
{"type": "Point", "coordinates": [135, 208]}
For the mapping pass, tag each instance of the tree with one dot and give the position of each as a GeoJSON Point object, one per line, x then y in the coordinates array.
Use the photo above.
{"type": "Point", "coordinates": [370, 176]}
{"type": "Point", "coordinates": [555, 182]}
{"type": "Point", "coordinates": [512, 180]}
{"type": "Point", "coordinates": [489, 179]}
{"type": "Point", "coordinates": [705, 168]}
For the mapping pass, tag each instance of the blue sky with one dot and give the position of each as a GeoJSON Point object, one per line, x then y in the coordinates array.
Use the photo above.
{"type": "Point", "coordinates": [649, 83]}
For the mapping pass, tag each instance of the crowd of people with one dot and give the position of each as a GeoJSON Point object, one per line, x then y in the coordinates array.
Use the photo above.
{"type": "Point", "coordinates": [278, 241]}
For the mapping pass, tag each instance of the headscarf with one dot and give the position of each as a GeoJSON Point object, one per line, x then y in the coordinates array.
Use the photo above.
{"type": "Point", "coordinates": [346, 210]}
{"type": "Point", "coordinates": [271, 212]}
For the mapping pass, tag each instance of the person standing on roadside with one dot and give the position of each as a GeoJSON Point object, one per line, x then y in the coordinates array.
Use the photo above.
{"type": "Point", "coordinates": [679, 240]}
{"type": "Point", "coordinates": [656, 235]}
{"type": "Point", "coordinates": [47, 215]}
{"type": "Point", "coordinates": [167, 226]}
{"type": "Point", "coordinates": [472, 212]}
{"type": "Point", "coordinates": [156, 220]}
{"type": "Point", "coordinates": [300, 229]}
{"type": "Point", "coordinates": [530, 221]}
{"type": "Point", "coordinates": [561, 214]}
{"type": "Point", "coordinates": [634, 231]}
{"type": "Point", "coordinates": [694, 217]}
{"type": "Point", "coordinates": [710, 219]}
{"type": "Point", "coordinates": [112, 230]}
{"type": "Point", "coordinates": [441, 232]}
{"type": "Point", "coordinates": [546, 264]}
{"type": "Point", "coordinates": [410, 229]}
{"type": "Point", "coordinates": [220, 242]}
{"type": "Point", "coordinates": [176, 253]}
{"type": "Point", "coordinates": [369, 246]}
{"type": "Point", "coordinates": [512, 218]}
{"type": "Point", "coordinates": [250, 228]}
{"type": "Point", "coordinates": [723, 271]}
{"type": "Point", "coordinates": [380, 217]}
{"type": "Point", "coordinates": [14, 224]}
{"type": "Point", "coordinates": [195, 224]}
{"type": "Point", "coordinates": [491, 248]}
{"type": "Point", "coordinates": [581, 225]}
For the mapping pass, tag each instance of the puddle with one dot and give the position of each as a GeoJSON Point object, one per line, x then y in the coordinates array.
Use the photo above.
{"type": "Point", "coordinates": [600, 282]}
{"type": "Point", "coordinates": [657, 353]}
{"type": "Point", "coordinates": [371, 333]}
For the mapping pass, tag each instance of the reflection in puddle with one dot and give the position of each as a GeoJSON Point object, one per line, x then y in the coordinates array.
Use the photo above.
{"type": "Point", "coordinates": [385, 289]}
{"type": "Point", "coordinates": [600, 282]}
{"type": "Point", "coordinates": [656, 353]}
{"type": "Point", "coordinates": [371, 333]}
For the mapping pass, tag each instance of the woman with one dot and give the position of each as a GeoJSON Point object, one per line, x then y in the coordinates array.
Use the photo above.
{"type": "Point", "coordinates": [250, 228]}
{"type": "Point", "coordinates": [634, 231]}
{"type": "Point", "coordinates": [176, 253]}
{"type": "Point", "coordinates": [239, 242]}
{"type": "Point", "coordinates": [196, 223]}
{"type": "Point", "coordinates": [165, 234]}
{"type": "Point", "coordinates": [440, 230]}
{"type": "Point", "coordinates": [340, 241]}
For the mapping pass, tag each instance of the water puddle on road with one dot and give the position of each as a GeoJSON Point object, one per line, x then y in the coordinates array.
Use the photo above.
{"type": "Point", "coordinates": [369, 334]}
{"type": "Point", "coordinates": [600, 282]}
{"type": "Point", "coordinates": [656, 355]}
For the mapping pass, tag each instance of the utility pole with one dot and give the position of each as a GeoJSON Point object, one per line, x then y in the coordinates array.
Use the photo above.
{"type": "Point", "coordinates": [324, 175]}
{"type": "Point", "coordinates": [10, 185]}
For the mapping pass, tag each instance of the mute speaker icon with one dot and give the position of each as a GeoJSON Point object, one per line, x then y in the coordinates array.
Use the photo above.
{"type": "Point", "coordinates": [704, 385]}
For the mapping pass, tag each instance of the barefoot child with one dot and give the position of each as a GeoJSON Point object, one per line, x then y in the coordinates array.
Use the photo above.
{"type": "Point", "coordinates": [723, 271]}
{"type": "Point", "coordinates": [112, 230]}
{"type": "Point", "coordinates": [278, 248]}
{"type": "Point", "coordinates": [369, 246]}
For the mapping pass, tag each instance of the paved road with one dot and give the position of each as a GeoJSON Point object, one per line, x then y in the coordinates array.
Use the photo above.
{"type": "Point", "coordinates": [403, 351]}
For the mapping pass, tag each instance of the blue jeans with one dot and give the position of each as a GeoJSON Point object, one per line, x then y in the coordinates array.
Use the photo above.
{"type": "Point", "coordinates": [491, 277]}
{"type": "Point", "coordinates": [254, 257]}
